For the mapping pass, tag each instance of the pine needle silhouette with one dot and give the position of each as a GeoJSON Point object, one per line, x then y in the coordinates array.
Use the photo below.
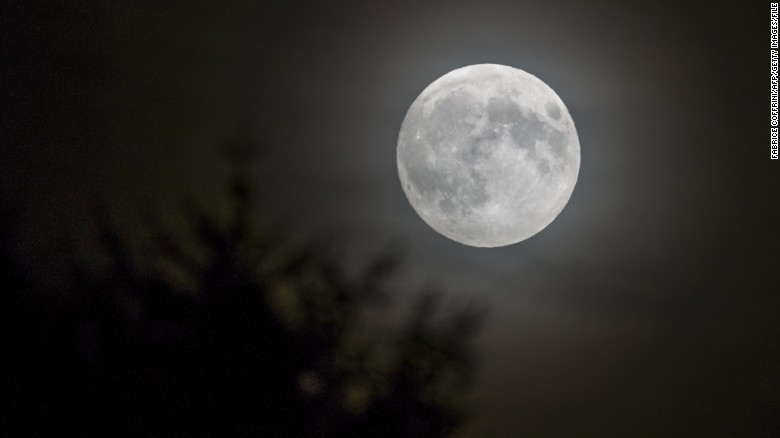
{"type": "Point", "coordinates": [261, 338]}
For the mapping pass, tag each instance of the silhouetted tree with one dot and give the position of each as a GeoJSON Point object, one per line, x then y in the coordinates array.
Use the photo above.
{"type": "Point", "coordinates": [249, 335]}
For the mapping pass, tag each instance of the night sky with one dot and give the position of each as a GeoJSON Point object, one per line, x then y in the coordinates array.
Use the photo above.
{"type": "Point", "coordinates": [649, 307]}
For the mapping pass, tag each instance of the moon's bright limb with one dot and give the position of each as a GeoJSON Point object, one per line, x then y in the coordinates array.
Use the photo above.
{"type": "Point", "coordinates": [488, 155]}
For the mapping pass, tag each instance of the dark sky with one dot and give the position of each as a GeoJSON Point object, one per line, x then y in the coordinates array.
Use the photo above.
{"type": "Point", "coordinates": [648, 308]}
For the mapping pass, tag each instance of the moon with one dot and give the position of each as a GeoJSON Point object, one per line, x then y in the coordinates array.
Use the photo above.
{"type": "Point", "coordinates": [488, 155]}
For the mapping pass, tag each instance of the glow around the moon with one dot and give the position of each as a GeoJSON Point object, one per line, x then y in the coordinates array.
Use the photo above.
{"type": "Point", "coordinates": [488, 155]}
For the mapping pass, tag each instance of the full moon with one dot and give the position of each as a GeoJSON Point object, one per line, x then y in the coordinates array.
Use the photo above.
{"type": "Point", "coordinates": [488, 155]}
